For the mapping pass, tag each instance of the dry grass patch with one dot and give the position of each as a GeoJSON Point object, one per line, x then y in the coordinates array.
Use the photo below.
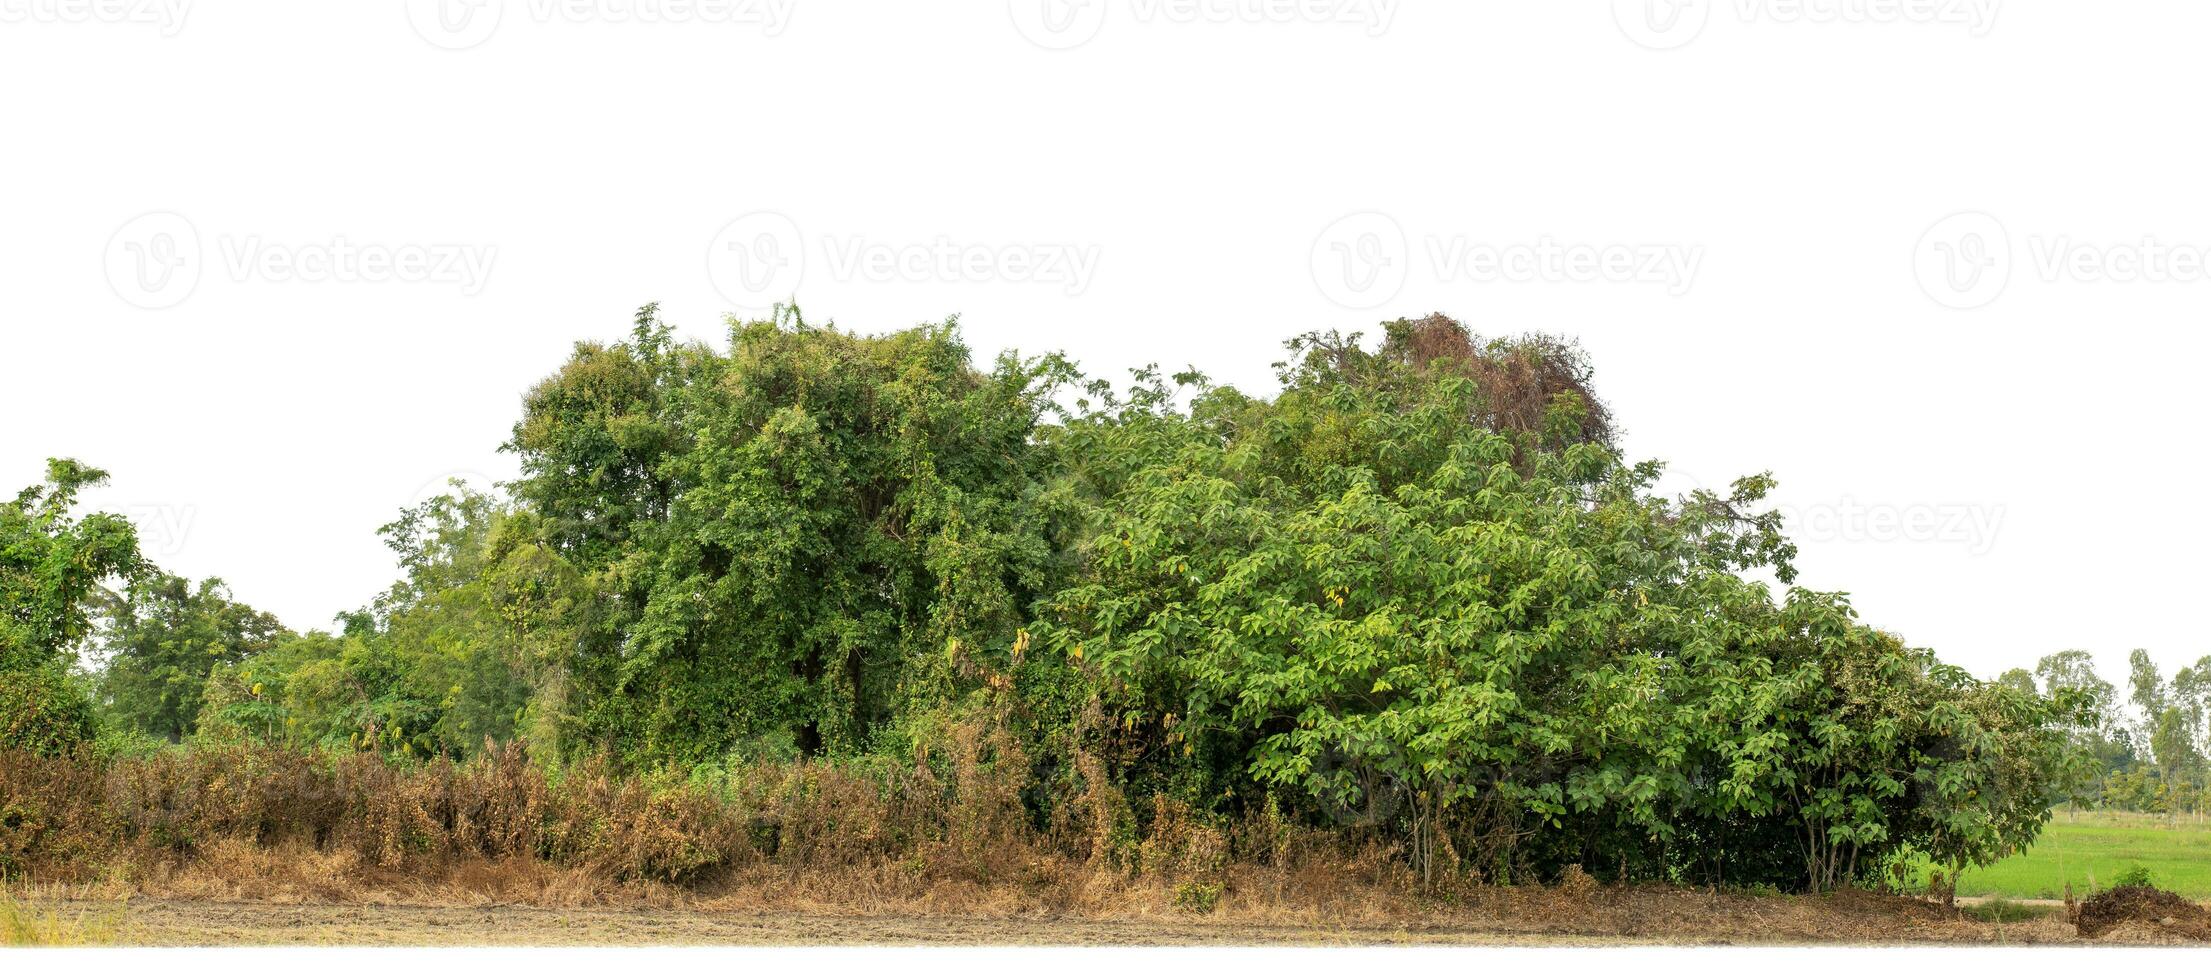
{"type": "Point", "coordinates": [28, 924]}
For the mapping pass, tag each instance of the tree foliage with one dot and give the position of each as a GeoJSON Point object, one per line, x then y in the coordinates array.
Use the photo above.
{"type": "Point", "coordinates": [793, 542]}
{"type": "Point", "coordinates": [166, 637]}
{"type": "Point", "coordinates": [1416, 595]}
{"type": "Point", "coordinates": [1369, 595]}
{"type": "Point", "coordinates": [53, 566]}
{"type": "Point", "coordinates": [461, 649]}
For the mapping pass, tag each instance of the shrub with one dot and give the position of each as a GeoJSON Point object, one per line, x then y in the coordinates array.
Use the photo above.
{"type": "Point", "coordinates": [70, 817]}
{"type": "Point", "coordinates": [43, 711]}
{"type": "Point", "coordinates": [1199, 897]}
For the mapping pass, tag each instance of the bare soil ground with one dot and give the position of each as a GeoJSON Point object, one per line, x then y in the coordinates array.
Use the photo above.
{"type": "Point", "coordinates": [155, 922]}
{"type": "Point", "coordinates": [237, 895]}
{"type": "Point", "coordinates": [1694, 919]}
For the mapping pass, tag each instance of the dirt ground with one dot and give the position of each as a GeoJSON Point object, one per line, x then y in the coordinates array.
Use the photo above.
{"type": "Point", "coordinates": [144, 921]}
{"type": "Point", "coordinates": [248, 897]}
{"type": "Point", "coordinates": [156, 922]}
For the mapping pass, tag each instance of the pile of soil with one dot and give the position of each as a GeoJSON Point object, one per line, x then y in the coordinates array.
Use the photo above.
{"type": "Point", "coordinates": [2139, 910]}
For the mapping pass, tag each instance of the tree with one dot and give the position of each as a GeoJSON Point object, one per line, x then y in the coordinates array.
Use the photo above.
{"type": "Point", "coordinates": [2146, 687]}
{"type": "Point", "coordinates": [1372, 594]}
{"type": "Point", "coordinates": [595, 436]}
{"type": "Point", "coordinates": [163, 641]}
{"type": "Point", "coordinates": [1417, 595]}
{"type": "Point", "coordinates": [2191, 697]}
{"type": "Point", "coordinates": [52, 570]}
{"type": "Point", "coordinates": [2173, 745]}
{"type": "Point", "coordinates": [792, 542]}
{"type": "Point", "coordinates": [2099, 729]}
{"type": "Point", "coordinates": [462, 648]}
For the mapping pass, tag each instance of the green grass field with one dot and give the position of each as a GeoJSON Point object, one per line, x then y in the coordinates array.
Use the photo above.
{"type": "Point", "coordinates": [2080, 847]}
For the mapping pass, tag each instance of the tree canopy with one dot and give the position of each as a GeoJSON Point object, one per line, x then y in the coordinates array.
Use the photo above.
{"type": "Point", "coordinates": [52, 568]}
{"type": "Point", "coordinates": [1416, 593]}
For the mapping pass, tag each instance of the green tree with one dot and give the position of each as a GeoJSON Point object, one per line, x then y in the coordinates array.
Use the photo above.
{"type": "Point", "coordinates": [793, 541]}
{"type": "Point", "coordinates": [1374, 595]}
{"type": "Point", "coordinates": [2099, 730]}
{"type": "Point", "coordinates": [1418, 592]}
{"type": "Point", "coordinates": [53, 567]}
{"type": "Point", "coordinates": [462, 648]}
{"type": "Point", "coordinates": [163, 641]}
{"type": "Point", "coordinates": [2146, 689]}
{"type": "Point", "coordinates": [2191, 697]}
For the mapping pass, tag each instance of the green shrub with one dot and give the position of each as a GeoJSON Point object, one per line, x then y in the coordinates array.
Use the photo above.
{"type": "Point", "coordinates": [43, 711]}
{"type": "Point", "coordinates": [1197, 896]}
{"type": "Point", "coordinates": [126, 743]}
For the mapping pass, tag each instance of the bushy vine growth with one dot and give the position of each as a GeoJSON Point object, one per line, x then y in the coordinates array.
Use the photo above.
{"type": "Point", "coordinates": [1415, 596]}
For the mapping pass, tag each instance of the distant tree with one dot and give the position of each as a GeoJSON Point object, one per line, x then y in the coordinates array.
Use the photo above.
{"type": "Point", "coordinates": [2173, 744]}
{"type": "Point", "coordinates": [2101, 730]}
{"type": "Point", "coordinates": [479, 620]}
{"type": "Point", "coordinates": [2146, 688]}
{"type": "Point", "coordinates": [464, 647]}
{"type": "Point", "coordinates": [2076, 670]}
{"type": "Point", "coordinates": [161, 644]}
{"type": "Point", "coordinates": [2191, 696]}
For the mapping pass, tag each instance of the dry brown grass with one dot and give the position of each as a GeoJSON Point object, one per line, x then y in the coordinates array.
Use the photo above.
{"type": "Point", "coordinates": [950, 839]}
{"type": "Point", "coordinates": [230, 821]}
{"type": "Point", "coordinates": [951, 835]}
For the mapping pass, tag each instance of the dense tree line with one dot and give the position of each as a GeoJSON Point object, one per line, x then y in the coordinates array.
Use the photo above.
{"type": "Point", "coordinates": [2150, 752]}
{"type": "Point", "coordinates": [1416, 594]}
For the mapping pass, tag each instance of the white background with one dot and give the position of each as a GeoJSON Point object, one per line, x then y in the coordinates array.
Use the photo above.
{"type": "Point", "coordinates": [1999, 481]}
